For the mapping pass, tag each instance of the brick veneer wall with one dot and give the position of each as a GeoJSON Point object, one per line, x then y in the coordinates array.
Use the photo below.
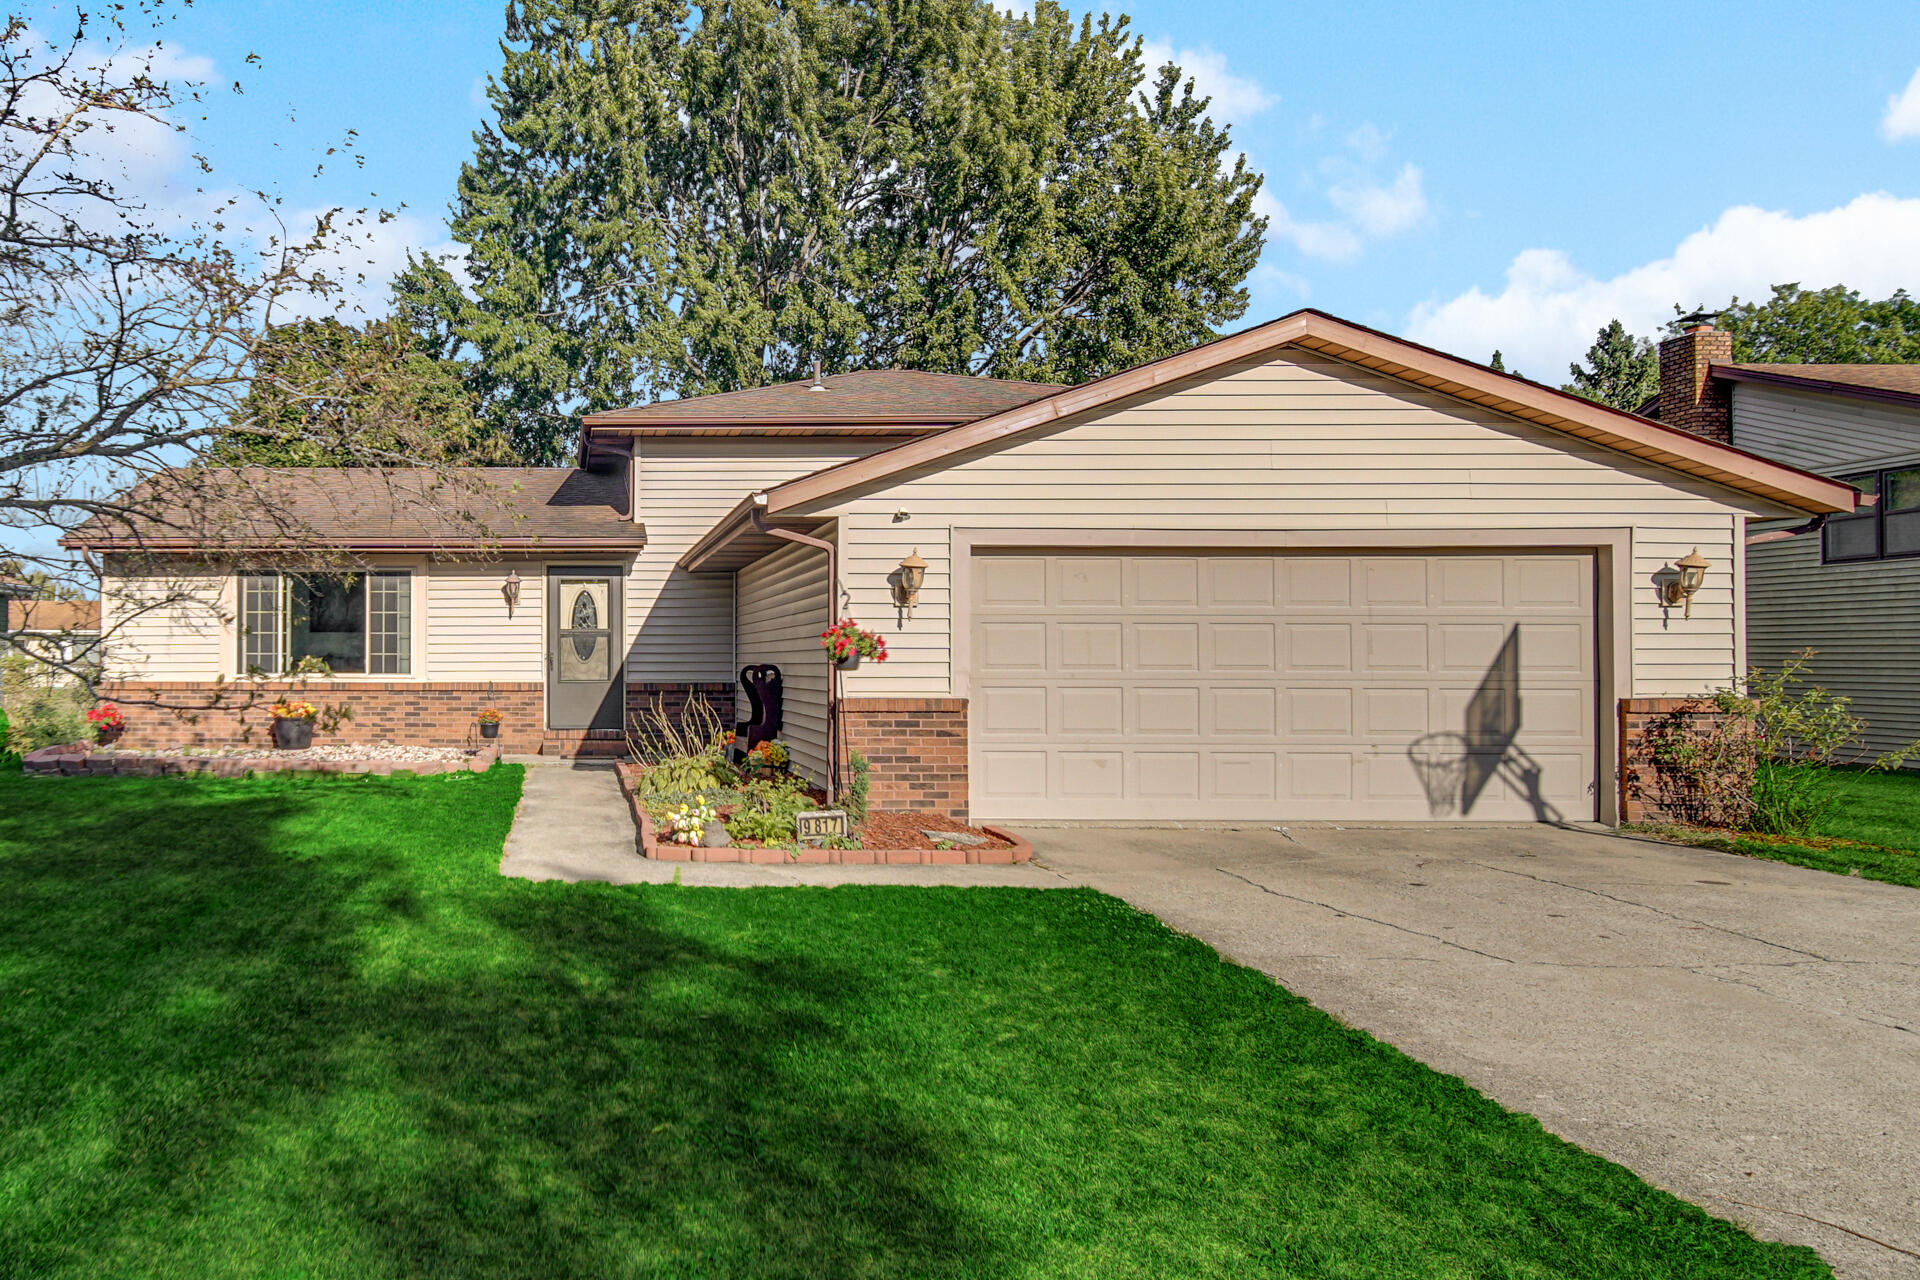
{"type": "Point", "coordinates": [176, 713]}
{"type": "Point", "coordinates": [179, 713]}
{"type": "Point", "coordinates": [918, 750]}
{"type": "Point", "coordinates": [1639, 783]}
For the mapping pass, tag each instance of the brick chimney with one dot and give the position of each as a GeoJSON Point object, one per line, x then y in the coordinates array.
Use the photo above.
{"type": "Point", "coordinates": [1689, 399]}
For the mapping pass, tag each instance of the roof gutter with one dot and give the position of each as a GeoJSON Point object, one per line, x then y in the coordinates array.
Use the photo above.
{"type": "Point", "coordinates": [357, 544]}
{"type": "Point", "coordinates": [1821, 386]}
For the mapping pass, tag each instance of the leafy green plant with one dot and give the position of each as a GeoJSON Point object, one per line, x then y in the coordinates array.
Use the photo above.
{"type": "Point", "coordinates": [1728, 759]}
{"type": "Point", "coordinates": [767, 813]}
{"type": "Point", "coordinates": [688, 774]}
{"type": "Point", "coordinates": [5, 750]}
{"type": "Point", "coordinates": [52, 718]}
{"type": "Point", "coordinates": [858, 787]}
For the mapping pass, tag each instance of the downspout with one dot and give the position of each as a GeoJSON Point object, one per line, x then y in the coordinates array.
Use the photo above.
{"type": "Point", "coordinates": [759, 511]}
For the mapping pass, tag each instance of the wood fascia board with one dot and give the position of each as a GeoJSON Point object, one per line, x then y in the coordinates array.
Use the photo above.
{"type": "Point", "coordinates": [172, 546]}
{"type": "Point", "coordinates": [1611, 428]}
{"type": "Point", "coordinates": [1817, 386]}
{"type": "Point", "coordinates": [715, 540]}
{"type": "Point", "coordinates": [1087, 398]}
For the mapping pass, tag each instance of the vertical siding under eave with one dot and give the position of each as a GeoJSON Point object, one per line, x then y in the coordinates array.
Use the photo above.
{"type": "Point", "coordinates": [781, 612]}
{"type": "Point", "coordinates": [1300, 443]}
{"type": "Point", "coordinates": [1863, 619]}
{"type": "Point", "coordinates": [468, 633]}
{"type": "Point", "coordinates": [679, 624]}
{"type": "Point", "coordinates": [1829, 434]}
{"type": "Point", "coordinates": [174, 626]}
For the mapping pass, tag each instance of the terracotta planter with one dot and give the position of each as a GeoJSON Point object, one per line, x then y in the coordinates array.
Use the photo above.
{"type": "Point", "coordinates": [489, 729]}
{"type": "Point", "coordinates": [293, 735]}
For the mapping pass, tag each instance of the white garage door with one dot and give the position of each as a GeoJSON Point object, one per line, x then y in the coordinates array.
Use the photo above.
{"type": "Point", "coordinates": [1222, 686]}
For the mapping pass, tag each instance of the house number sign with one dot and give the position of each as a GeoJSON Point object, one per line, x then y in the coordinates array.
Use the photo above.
{"type": "Point", "coordinates": [817, 825]}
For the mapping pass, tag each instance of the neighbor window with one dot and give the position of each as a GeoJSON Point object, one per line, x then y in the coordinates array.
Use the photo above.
{"type": "Point", "coordinates": [359, 623]}
{"type": "Point", "coordinates": [1889, 528]}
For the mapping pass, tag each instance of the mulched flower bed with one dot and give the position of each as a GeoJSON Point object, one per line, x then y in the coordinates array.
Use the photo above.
{"type": "Point", "coordinates": [887, 839]}
{"type": "Point", "coordinates": [85, 758]}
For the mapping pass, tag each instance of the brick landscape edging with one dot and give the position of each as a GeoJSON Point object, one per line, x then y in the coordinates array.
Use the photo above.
{"type": "Point", "coordinates": [76, 759]}
{"type": "Point", "coordinates": [647, 847]}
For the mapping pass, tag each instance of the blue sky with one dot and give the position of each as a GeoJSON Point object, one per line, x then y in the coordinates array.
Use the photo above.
{"type": "Point", "coordinates": [1470, 175]}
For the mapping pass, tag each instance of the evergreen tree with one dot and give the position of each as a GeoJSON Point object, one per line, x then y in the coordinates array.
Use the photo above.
{"type": "Point", "coordinates": [1621, 370]}
{"type": "Point", "coordinates": [327, 394]}
{"type": "Point", "coordinates": [681, 201]}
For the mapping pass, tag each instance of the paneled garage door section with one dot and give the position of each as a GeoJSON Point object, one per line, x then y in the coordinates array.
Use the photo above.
{"type": "Point", "coordinates": [1441, 687]}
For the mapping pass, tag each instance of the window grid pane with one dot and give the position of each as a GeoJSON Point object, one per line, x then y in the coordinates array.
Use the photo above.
{"type": "Point", "coordinates": [1852, 538]}
{"type": "Point", "coordinates": [262, 623]}
{"type": "Point", "coordinates": [1903, 490]}
{"type": "Point", "coordinates": [390, 624]}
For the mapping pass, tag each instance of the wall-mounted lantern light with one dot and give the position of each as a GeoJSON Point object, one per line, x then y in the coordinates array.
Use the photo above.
{"type": "Point", "coordinates": [510, 591]}
{"type": "Point", "coordinates": [913, 575]}
{"type": "Point", "coordinates": [1692, 571]}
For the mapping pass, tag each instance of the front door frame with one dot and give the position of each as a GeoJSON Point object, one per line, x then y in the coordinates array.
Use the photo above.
{"type": "Point", "coordinates": [615, 577]}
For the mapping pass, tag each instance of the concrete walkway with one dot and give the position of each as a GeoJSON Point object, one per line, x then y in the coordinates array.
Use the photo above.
{"type": "Point", "coordinates": [1743, 1033]}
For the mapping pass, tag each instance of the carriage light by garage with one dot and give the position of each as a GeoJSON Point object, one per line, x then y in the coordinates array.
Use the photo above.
{"type": "Point", "coordinates": [913, 574]}
{"type": "Point", "coordinates": [1692, 571]}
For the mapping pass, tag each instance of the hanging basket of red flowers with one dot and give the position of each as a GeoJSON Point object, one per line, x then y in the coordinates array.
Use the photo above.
{"type": "Point", "coordinates": [108, 723]}
{"type": "Point", "coordinates": [847, 642]}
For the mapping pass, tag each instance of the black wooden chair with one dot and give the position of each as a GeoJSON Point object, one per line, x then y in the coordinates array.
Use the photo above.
{"type": "Point", "coordinates": [762, 722]}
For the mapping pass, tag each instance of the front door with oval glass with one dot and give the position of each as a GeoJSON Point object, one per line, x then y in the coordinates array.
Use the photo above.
{"type": "Point", "coordinates": [586, 686]}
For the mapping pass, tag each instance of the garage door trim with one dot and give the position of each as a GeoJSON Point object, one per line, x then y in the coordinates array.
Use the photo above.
{"type": "Point", "coordinates": [1612, 550]}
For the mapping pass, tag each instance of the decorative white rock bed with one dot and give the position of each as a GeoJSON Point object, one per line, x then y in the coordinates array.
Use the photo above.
{"type": "Point", "coordinates": [79, 758]}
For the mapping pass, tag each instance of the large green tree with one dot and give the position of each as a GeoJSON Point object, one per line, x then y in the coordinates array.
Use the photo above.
{"type": "Point", "coordinates": [681, 201]}
{"type": "Point", "coordinates": [324, 393]}
{"type": "Point", "coordinates": [1823, 326]}
{"type": "Point", "coordinates": [1620, 369]}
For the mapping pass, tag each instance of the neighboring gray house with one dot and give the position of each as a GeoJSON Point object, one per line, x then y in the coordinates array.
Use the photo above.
{"type": "Point", "coordinates": [1846, 586]}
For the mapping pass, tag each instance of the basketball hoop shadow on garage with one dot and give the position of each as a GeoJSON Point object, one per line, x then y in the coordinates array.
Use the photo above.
{"type": "Point", "coordinates": [1455, 766]}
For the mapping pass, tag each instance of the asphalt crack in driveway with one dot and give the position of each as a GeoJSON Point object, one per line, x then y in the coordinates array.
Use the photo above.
{"type": "Point", "coordinates": [1342, 911]}
{"type": "Point", "coordinates": [1669, 915]}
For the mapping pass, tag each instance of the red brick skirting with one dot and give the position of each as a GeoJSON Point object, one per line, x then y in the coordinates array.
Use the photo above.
{"type": "Point", "coordinates": [1639, 784]}
{"type": "Point", "coordinates": [177, 713]}
{"type": "Point", "coordinates": [647, 847]}
{"type": "Point", "coordinates": [918, 750]}
{"type": "Point", "coordinates": [81, 758]}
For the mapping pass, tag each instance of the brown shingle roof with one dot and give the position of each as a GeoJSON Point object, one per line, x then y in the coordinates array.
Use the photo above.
{"type": "Point", "coordinates": [365, 509]}
{"type": "Point", "coordinates": [1873, 381]}
{"type": "Point", "coordinates": [54, 615]}
{"type": "Point", "coordinates": [872, 397]}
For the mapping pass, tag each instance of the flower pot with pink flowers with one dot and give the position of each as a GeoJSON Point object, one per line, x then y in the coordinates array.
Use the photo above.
{"type": "Point", "coordinates": [847, 643]}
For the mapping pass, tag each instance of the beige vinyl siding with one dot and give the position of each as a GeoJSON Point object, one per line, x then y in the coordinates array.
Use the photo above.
{"type": "Point", "coordinates": [177, 626]}
{"type": "Point", "coordinates": [1829, 434]}
{"type": "Point", "coordinates": [680, 624]}
{"type": "Point", "coordinates": [1300, 443]}
{"type": "Point", "coordinates": [468, 635]}
{"type": "Point", "coordinates": [1863, 618]}
{"type": "Point", "coordinates": [782, 611]}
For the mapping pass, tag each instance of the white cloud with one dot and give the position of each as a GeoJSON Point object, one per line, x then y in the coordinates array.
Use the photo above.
{"type": "Point", "coordinates": [1233, 97]}
{"type": "Point", "coordinates": [1903, 113]}
{"type": "Point", "coordinates": [1368, 143]}
{"type": "Point", "coordinates": [1547, 313]}
{"type": "Point", "coordinates": [363, 258]}
{"type": "Point", "coordinates": [1383, 211]}
{"type": "Point", "coordinates": [1327, 241]}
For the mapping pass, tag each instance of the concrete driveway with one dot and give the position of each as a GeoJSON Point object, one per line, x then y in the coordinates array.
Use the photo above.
{"type": "Point", "coordinates": [1743, 1033]}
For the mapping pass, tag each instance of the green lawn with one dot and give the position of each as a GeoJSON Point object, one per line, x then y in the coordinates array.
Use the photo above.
{"type": "Point", "coordinates": [302, 1028]}
{"type": "Point", "coordinates": [1874, 831]}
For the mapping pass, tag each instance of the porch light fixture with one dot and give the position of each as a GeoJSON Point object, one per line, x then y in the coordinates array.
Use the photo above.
{"type": "Point", "coordinates": [913, 575]}
{"type": "Point", "coordinates": [1692, 571]}
{"type": "Point", "coordinates": [510, 591]}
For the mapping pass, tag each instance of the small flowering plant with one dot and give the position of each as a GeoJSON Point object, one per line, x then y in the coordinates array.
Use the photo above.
{"type": "Point", "coordinates": [491, 716]}
{"type": "Point", "coordinates": [106, 718]}
{"type": "Point", "coordinates": [771, 755]}
{"type": "Point", "coordinates": [847, 640]}
{"type": "Point", "coordinates": [302, 710]}
{"type": "Point", "coordinates": [686, 824]}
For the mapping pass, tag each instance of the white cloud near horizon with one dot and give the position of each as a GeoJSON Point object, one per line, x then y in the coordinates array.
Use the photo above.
{"type": "Point", "coordinates": [1902, 120]}
{"type": "Point", "coordinates": [1549, 309]}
